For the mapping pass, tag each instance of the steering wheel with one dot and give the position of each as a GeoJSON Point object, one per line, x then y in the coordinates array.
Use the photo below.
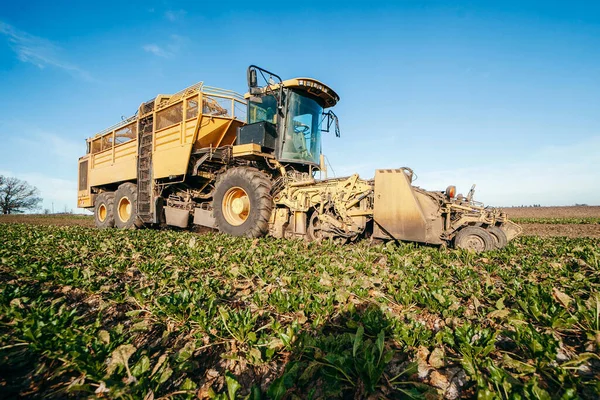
{"type": "Point", "coordinates": [300, 135]}
{"type": "Point", "coordinates": [301, 128]}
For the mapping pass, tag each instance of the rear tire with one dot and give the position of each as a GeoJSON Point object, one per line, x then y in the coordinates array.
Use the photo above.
{"type": "Point", "coordinates": [474, 238]}
{"type": "Point", "coordinates": [126, 207]}
{"type": "Point", "coordinates": [498, 235]}
{"type": "Point", "coordinates": [104, 216]}
{"type": "Point", "coordinates": [242, 203]}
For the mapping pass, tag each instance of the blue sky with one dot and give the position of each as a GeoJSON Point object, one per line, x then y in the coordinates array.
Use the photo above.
{"type": "Point", "coordinates": [502, 94]}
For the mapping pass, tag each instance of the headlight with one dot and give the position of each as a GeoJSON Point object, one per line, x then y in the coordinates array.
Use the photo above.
{"type": "Point", "coordinates": [451, 191]}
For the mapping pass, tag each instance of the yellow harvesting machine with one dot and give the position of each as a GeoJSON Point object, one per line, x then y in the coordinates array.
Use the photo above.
{"type": "Point", "coordinates": [248, 166]}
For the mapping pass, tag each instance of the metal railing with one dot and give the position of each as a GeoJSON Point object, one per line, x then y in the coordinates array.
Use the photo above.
{"type": "Point", "coordinates": [199, 87]}
{"type": "Point", "coordinates": [117, 125]}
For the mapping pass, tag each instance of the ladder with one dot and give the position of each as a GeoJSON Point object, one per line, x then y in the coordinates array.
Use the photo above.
{"type": "Point", "coordinates": [144, 171]}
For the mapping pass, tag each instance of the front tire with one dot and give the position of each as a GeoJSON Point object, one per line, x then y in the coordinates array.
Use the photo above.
{"type": "Point", "coordinates": [104, 216]}
{"type": "Point", "coordinates": [474, 238]}
{"type": "Point", "coordinates": [242, 203]}
{"type": "Point", "coordinates": [126, 207]}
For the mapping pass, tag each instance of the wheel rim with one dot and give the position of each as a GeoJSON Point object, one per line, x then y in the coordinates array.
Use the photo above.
{"type": "Point", "coordinates": [496, 239]}
{"type": "Point", "coordinates": [102, 213]}
{"type": "Point", "coordinates": [124, 209]}
{"type": "Point", "coordinates": [236, 206]}
{"type": "Point", "coordinates": [475, 243]}
{"type": "Point", "coordinates": [314, 228]}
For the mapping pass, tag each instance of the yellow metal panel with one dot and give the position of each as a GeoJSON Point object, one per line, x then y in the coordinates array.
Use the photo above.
{"type": "Point", "coordinates": [118, 172]}
{"type": "Point", "coordinates": [213, 131]}
{"type": "Point", "coordinates": [250, 151]}
{"type": "Point", "coordinates": [168, 137]}
{"type": "Point", "coordinates": [102, 159]}
{"type": "Point", "coordinates": [243, 149]}
{"type": "Point", "coordinates": [396, 212]}
{"type": "Point", "coordinates": [170, 156]}
{"type": "Point", "coordinates": [313, 86]}
{"type": "Point", "coordinates": [171, 161]}
{"type": "Point", "coordinates": [125, 150]}
{"type": "Point", "coordinates": [168, 141]}
{"type": "Point", "coordinates": [84, 198]}
{"type": "Point", "coordinates": [190, 128]}
{"type": "Point", "coordinates": [84, 201]}
{"type": "Point", "coordinates": [114, 165]}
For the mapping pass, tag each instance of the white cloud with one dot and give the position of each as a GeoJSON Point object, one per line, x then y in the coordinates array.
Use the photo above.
{"type": "Point", "coordinates": [156, 50]}
{"type": "Point", "coordinates": [39, 51]}
{"type": "Point", "coordinates": [551, 175]}
{"type": "Point", "coordinates": [49, 162]}
{"type": "Point", "coordinates": [50, 148]}
{"type": "Point", "coordinates": [67, 150]}
{"type": "Point", "coordinates": [175, 15]}
{"type": "Point", "coordinates": [167, 49]}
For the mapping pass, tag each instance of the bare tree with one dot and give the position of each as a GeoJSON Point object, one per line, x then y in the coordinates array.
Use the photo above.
{"type": "Point", "coordinates": [17, 196]}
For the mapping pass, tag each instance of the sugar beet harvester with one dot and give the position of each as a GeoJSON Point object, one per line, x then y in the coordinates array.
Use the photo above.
{"type": "Point", "coordinates": [247, 166]}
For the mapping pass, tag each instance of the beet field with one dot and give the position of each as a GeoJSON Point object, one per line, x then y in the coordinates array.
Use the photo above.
{"type": "Point", "coordinates": [162, 314]}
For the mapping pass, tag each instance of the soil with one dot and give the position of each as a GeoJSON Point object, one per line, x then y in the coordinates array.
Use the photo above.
{"type": "Point", "coordinates": [548, 230]}
{"type": "Point", "coordinates": [569, 230]}
{"type": "Point", "coordinates": [544, 230]}
{"type": "Point", "coordinates": [50, 219]}
{"type": "Point", "coordinates": [553, 212]}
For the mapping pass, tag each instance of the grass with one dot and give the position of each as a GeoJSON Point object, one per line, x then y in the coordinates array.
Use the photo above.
{"type": "Point", "coordinates": [129, 314]}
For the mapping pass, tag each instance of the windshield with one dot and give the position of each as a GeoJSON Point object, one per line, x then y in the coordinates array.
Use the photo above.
{"type": "Point", "coordinates": [266, 110]}
{"type": "Point", "coordinates": [303, 130]}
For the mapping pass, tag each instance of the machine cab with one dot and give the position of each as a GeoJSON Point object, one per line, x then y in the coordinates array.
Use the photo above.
{"type": "Point", "coordinates": [288, 117]}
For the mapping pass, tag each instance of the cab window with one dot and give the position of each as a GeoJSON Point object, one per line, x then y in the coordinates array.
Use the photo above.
{"type": "Point", "coordinates": [266, 110]}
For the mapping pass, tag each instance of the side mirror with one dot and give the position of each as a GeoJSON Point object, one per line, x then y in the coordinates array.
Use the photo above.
{"type": "Point", "coordinates": [337, 126]}
{"type": "Point", "coordinates": [252, 79]}
{"type": "Point", "coordinates": [471, 194]}
{"type": "Point", "coordinates": [331, 117]}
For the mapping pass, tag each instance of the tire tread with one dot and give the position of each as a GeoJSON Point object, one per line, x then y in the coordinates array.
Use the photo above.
{"type": "Point", "coordinates": [107, 198]}
{"type": "Point", "coordinates": [261, 185]}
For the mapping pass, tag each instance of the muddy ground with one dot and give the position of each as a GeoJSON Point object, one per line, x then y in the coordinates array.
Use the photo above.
{"type": "Point", "coordinates": [569, 230]}
{"type": "Point", "coordinates": [49, 219]}
{"type": "Point", "coordinates": [530, 229]}
{"type": "Point", "coordinates": [553, 212]}
{"type": "Point", "coordinates": [548, 230]}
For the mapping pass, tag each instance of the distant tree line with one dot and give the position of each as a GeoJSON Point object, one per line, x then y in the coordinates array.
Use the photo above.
{"type": "Point", "coordinates": [539, 205]}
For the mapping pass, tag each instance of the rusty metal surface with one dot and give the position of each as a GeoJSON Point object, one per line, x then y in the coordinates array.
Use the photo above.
{"type": "Point", "coordinates": [511, 230]}
{"type": "Point", "coordinates": [177, 217]}
{"type": "Point", "coordinates": [204, 218]}
{"type": "Point", "coordinates": [396, 211]}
